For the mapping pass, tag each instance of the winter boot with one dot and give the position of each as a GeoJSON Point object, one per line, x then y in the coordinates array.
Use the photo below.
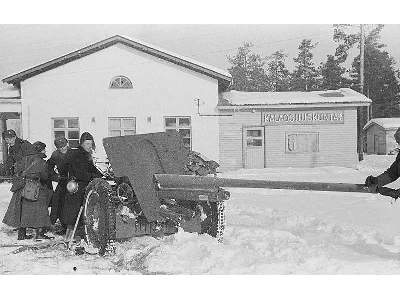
{"type": "Point", "coordinates": [22, 234]}
{"type": "Point", "coordinates": [40, 236]}
{"type": "Point", "coordinates": [62, 230]}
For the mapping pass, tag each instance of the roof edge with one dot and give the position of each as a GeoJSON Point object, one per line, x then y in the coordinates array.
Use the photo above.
{"type": "Point", "coordinates": [371, 122]}
{"type": "Point", "coordinates": [348, 103]}
{"type": "Point", "coordinates": [223, 79]}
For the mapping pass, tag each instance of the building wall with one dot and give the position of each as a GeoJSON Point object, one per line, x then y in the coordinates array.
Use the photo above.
{"type": "Point", "coordinates": [337, 142]}
{"type": "Point", "coordinates": [231, 138]}
{"type": "Point", "coordinates": [81, 89]}
{"type": "Point", "coordinates": [371, 132]}
{"type": "Point", "coordinates": [391, 143]}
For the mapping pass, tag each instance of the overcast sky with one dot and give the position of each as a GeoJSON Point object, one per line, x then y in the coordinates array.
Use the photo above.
{"type": "Point", "coordinates": [23, 46]}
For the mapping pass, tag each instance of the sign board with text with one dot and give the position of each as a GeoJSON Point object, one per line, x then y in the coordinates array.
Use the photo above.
{"type": "Point", "coordinates": [318, 117]}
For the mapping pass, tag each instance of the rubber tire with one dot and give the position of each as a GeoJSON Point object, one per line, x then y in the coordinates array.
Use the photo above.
{"type": "Point", "coordinates": [107, 217]}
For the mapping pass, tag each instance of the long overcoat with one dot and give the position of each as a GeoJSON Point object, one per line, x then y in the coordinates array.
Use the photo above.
{"type": "Point", "coordinates": [26, 213]}
{"type": "Point", "coordinates": [78, 165]}
{"type": "Point", "coordinates": [58, 160]}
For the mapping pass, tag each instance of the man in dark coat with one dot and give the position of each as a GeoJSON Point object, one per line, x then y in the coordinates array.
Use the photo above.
{"type": "Point", "coordinates": [390, 175]}
{"type": "Point", "coordinates": [17, 149]}
{"type": "Point", "coordinates": [79, 166]}
{"type": "Point", "coordinates": [22, 213]}
{"type": "Point", "coordinates": [57, 161]}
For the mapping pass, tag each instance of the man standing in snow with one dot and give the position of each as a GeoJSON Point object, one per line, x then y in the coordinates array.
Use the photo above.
{"type": "Point", "coordinates": [390, 175]}
{"type": "Point", "coordinates": [57, 161]}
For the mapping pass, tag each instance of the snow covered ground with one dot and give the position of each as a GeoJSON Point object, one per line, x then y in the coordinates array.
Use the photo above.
{"type": "Point", "coordinates": [267, 232]}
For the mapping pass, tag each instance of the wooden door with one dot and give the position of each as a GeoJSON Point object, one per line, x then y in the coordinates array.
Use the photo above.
{"type": "Point", "coordinates": [253, 146]}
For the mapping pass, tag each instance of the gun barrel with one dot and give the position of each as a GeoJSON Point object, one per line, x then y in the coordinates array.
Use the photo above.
{"type": "Point", "coordinates": [189, 181]}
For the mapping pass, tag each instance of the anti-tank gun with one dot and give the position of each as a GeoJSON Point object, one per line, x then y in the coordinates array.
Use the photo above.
{"type": "Point", "coordinates": [127, 202]}
{"type": "Point", "coordinates": [156, 186]}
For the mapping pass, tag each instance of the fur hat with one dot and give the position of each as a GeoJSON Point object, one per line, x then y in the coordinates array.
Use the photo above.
{"type": "Point", "coordinates": [60, 142]}
{"type": "Point", "coordinates": [39, 146]}
{"type": "Point", "coordinates": [8, 134]}
{"type": "Point", "coordinates": [86, 136]}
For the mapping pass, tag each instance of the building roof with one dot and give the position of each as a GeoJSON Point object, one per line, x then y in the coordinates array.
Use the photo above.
{"type": "Point", "coordinates": [385, 123]}
{"type": "Point", "coordinates": [9, 92]}
{"type": "Point", "coordinates": [223, 77]}
{"type": "Point", "coordinates": [340, 96]}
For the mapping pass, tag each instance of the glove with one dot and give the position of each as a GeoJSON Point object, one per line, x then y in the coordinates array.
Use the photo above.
{"type": "Point", "coordinates": [371, 180]}
{"type": "Point", "coordinates": [389, 192]}
{"type": "Point", "coordinates": [372, 183]}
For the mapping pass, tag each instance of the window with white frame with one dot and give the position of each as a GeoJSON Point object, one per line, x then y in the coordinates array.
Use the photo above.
{"type": "Point", "coordinates": [68, 128]}
{"type": "Point", "coordinates": [120, 82]}
{"type": "Point", "coordinates": [181, 124]}
{"type": "Point", "coordinates": [119, 126]}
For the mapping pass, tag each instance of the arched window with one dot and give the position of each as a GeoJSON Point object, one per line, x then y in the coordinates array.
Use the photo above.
{"type": "Point", "coordinates": [120, 82]}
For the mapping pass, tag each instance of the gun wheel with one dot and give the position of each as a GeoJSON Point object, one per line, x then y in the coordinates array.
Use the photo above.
{"type": "Point", "coordinates": [99, 215]}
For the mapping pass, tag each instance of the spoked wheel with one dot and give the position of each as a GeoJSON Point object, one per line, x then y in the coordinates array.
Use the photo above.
{"type": "Point", "coordinates": [125, 193]}
{"type": "Point", "coordinates": [99, 215]}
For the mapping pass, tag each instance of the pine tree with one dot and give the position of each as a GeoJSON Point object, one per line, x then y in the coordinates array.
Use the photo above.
{"type": "Point", "coordinates": [346, 41]}
{"type": "Point", "coordinates": [247, 70]}
{"type": "Point", "coordinates": [277, 73]}
{"type": "Point", "coordinates": [305, 75]}
{"type": "Point", "coordinates": [381, 78]}
{"type": "Point", "coordinates": [333, 74]}
{"type": "Point", "coordinates": [381, 82]}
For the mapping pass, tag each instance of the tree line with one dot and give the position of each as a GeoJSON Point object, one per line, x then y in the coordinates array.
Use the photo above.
{"type": "Point", "coordinates": [254, 73]}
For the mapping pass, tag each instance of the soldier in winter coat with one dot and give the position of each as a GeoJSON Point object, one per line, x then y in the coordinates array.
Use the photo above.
{"type": "Point", "coordinates": [40, 147]}
{"type": "Point", "coordinates": [79, 166]}
{"type": "Point", "coordinates": [17, 149]}
{"type": "Point", "coordinates": [57, 160]}
{"type": "Point", "coordinates": [390, 175]}
{"type": "Point", "coordinates": [23, 213]}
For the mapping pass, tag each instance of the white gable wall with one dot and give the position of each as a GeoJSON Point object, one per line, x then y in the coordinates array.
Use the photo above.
{"type": "Point", "coordinates": [81, 89]}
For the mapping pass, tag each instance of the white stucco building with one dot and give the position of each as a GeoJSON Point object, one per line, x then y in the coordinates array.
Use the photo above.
{"type": "Point", "coordinates": [120, 86]}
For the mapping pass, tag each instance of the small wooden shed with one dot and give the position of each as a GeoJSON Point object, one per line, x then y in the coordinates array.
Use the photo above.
{"type": "Point", "coordinates": [380, 135]}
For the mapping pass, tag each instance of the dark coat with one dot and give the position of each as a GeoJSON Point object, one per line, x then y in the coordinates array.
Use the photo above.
{"type": "Point", "coordinates": [391, 174]}
{"type": "Point", "coordinates": [22, 212]}
{"type": "Point", "coordinates": [78, 165]}
{"type": "Point", "coordinates": [15, 154]}
{"type": "Point", "coordinates": [58, 160]}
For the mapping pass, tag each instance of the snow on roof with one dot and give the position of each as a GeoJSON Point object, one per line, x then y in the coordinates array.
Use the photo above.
{"type": "Point", "coordinates": [191, 60]}
{"type": "Point", "coordinates": [343, 95]}
{"type": "Point", "coordinates": [385, 123]}
{"type": "Point", "coordinates": [223, 76]}
{"type": "Point", "coordinates": [9, 92]}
